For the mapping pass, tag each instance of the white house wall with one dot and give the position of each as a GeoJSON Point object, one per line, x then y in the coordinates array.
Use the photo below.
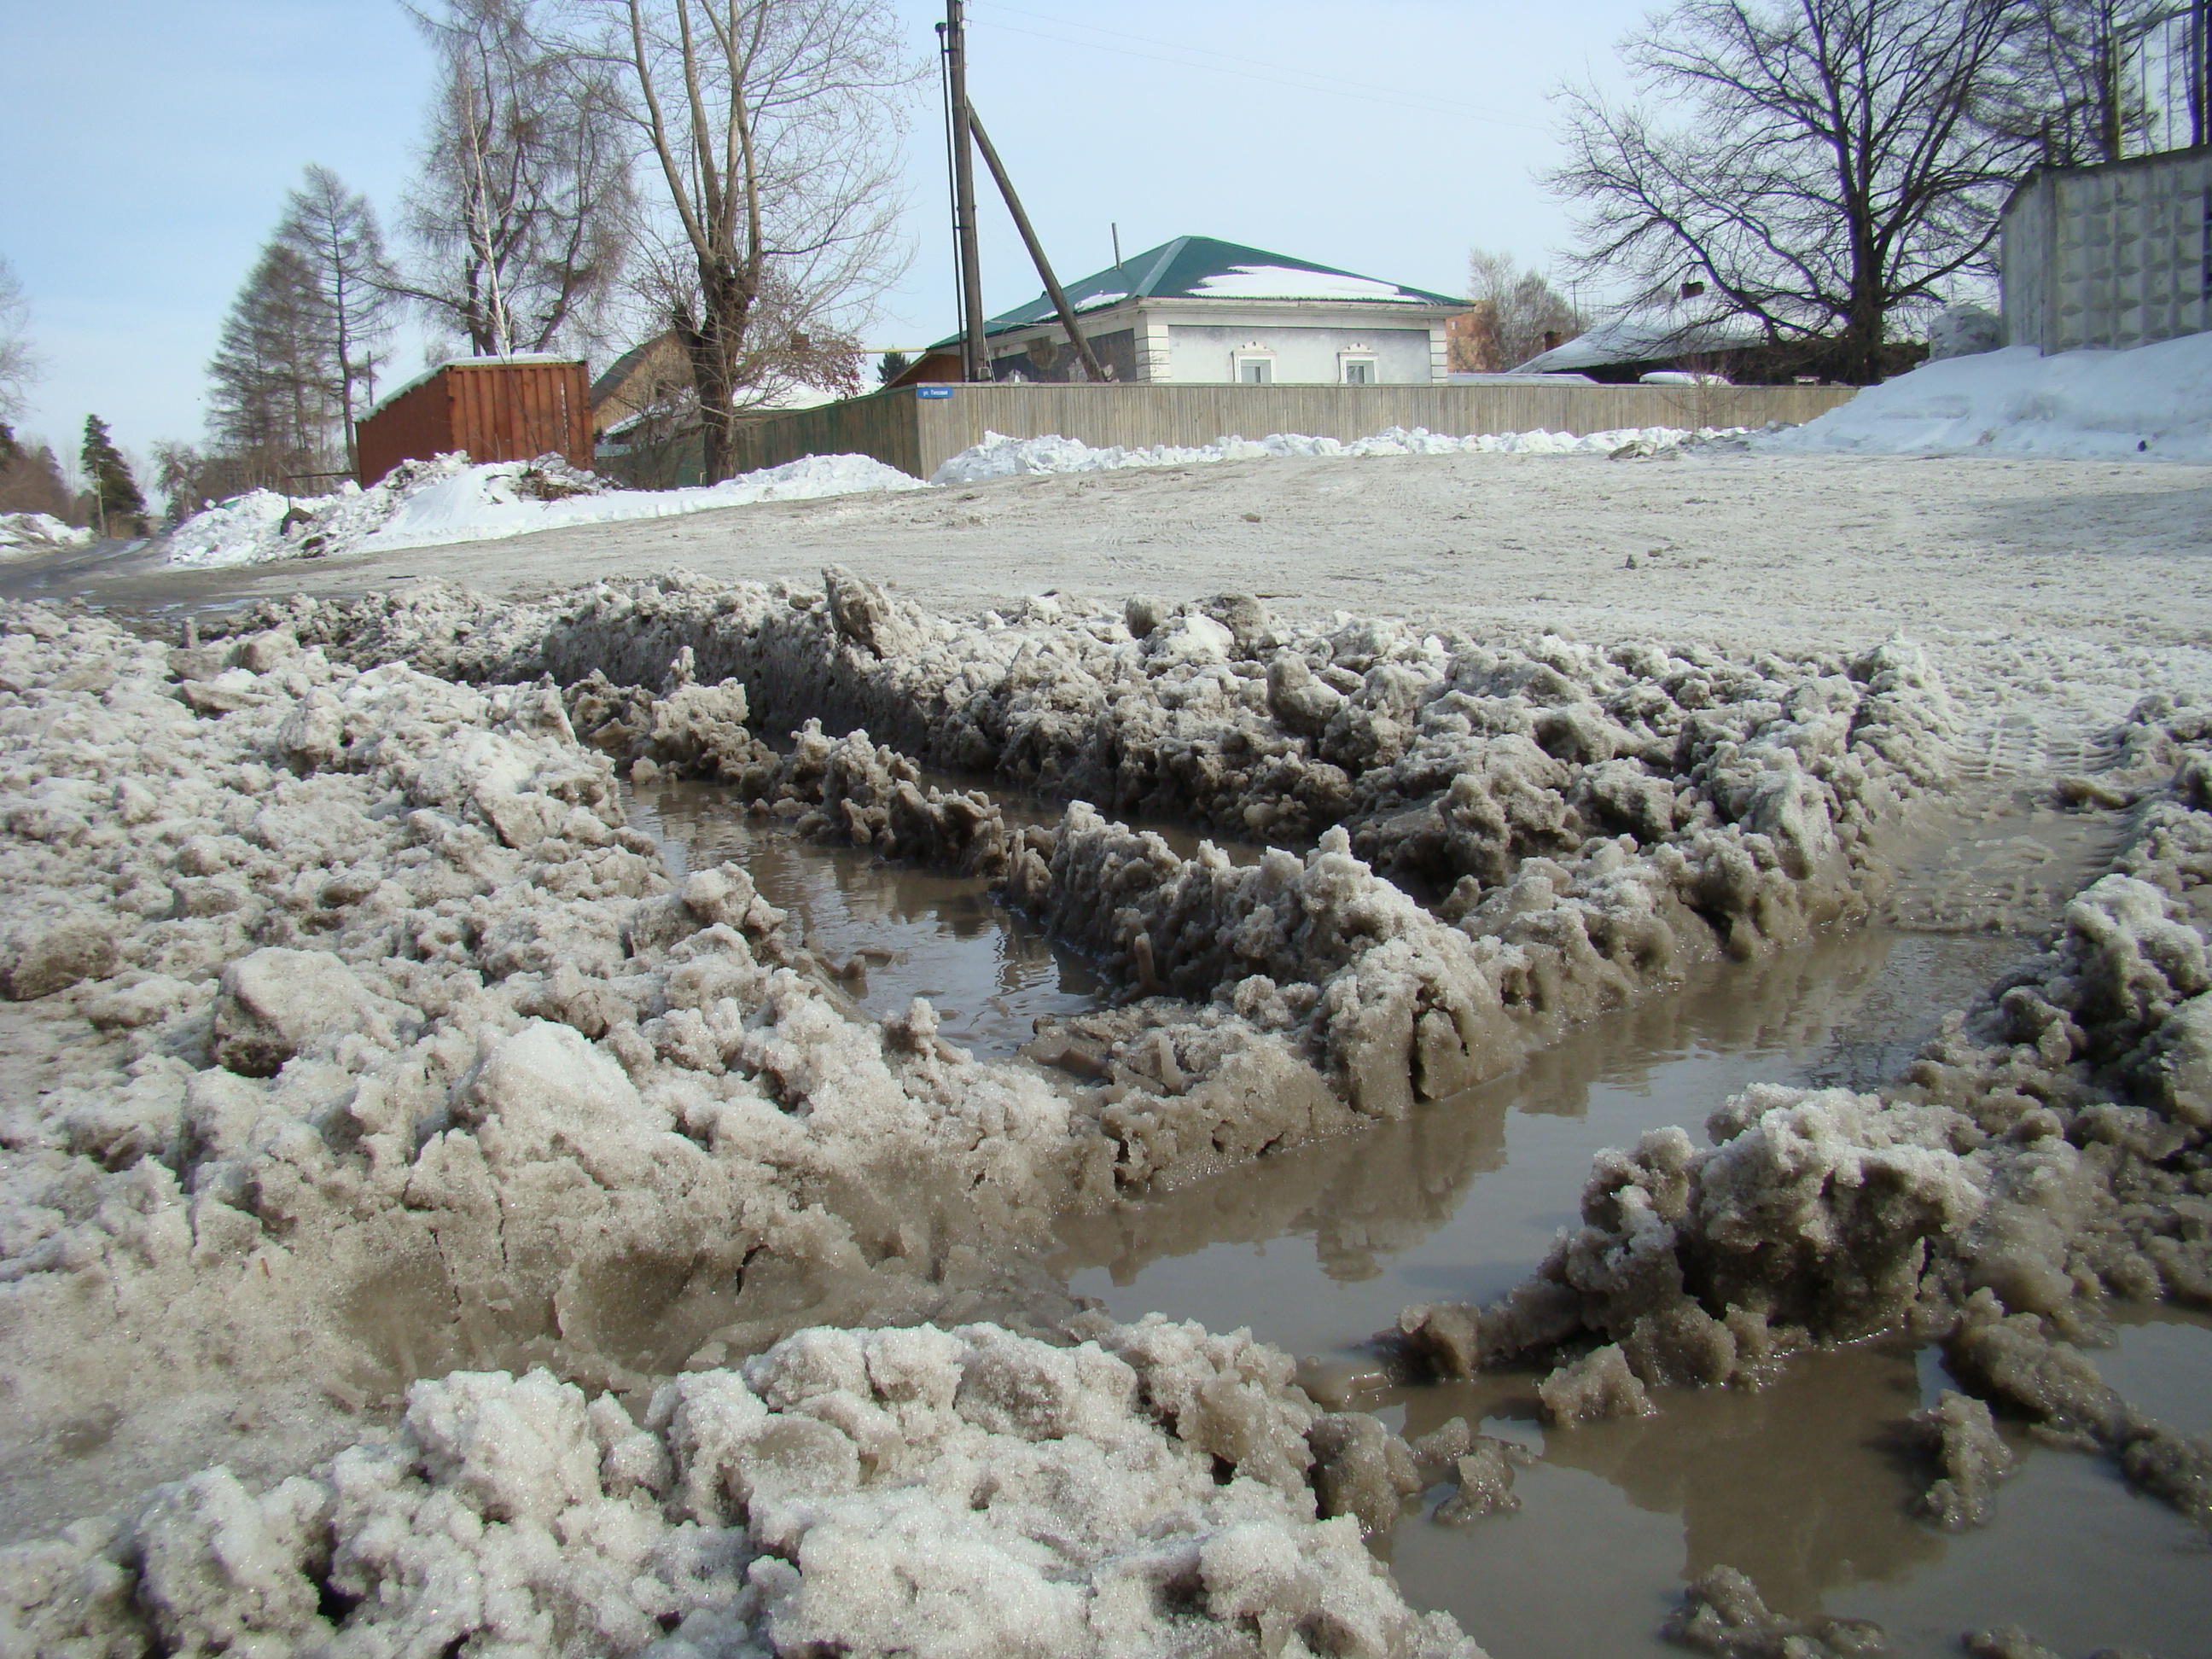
{"type": "Point", "coordinates": [1302, 354]}
{"type": "Point", "coordinates": [2111, 256]}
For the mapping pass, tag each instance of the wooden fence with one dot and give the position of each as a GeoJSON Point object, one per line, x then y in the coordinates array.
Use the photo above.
{"type": "Point", "coordinates": [916, 431]}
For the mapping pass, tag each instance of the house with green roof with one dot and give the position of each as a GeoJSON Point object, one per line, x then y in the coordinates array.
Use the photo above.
{"type": "Point", "coordinates": [1198, 310]}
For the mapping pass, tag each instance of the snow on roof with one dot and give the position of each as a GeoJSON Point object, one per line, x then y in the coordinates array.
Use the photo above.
{"type": "Point", "coordinates": [1205, 268]}
{"type": "Point", "coordinates": [1287, 283]}
{"type": "Point", "coordinates": [1642, 338]}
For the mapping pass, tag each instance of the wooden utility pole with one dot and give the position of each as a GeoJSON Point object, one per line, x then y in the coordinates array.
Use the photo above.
{"type": "Point", "coordinates": [975, 354]}
{"type": "Point", "coordinates": [1037, 250]}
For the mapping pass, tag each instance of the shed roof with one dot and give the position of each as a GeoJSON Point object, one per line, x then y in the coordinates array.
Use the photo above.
{"type": "Point", "coordinates": [1644, 337]}
{"type": "Point", "coordinates": [1207, 268]}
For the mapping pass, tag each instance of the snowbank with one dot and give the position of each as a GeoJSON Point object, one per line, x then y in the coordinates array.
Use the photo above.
{"type": "Point", "coordinates": [1001, 457]}
{"type": "Point", "coordinates": [430, 503]}
{"type": "Point", "coordinates": [22, 534]}
{"type": "Point", "coordinates": [2153, 403]}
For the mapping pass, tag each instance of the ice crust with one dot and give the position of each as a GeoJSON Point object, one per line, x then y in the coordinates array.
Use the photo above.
{"type": "Point", "coordinates": [2047, 1152]}
{"type": "Point", "coordinates": [918, 1492]}
{"type": "Point", "coordinates": [1589, 822]}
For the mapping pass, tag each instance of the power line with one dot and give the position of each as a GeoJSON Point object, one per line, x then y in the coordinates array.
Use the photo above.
{"type": "Point", "coordinates": [1312, 81]}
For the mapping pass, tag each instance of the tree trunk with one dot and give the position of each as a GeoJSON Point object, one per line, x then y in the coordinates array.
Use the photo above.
{"type": "Point", "coordinates": [713, 346]}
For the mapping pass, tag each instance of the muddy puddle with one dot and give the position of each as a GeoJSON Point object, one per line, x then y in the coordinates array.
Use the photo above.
{"type": "Point", "coordinates": [1804, 1484]}
{"type": "Point", "coordinates": [989, 971]}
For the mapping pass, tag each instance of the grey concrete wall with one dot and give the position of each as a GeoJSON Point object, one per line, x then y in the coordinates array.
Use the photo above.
{"type": "Point", "coordinates": [918, 434]}
{"type": "Point", "coordinates": [2111, 256]}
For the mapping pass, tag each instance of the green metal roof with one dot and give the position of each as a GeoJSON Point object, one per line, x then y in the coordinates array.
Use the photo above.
{"type": "Point", "coordinates": [1205, 268]}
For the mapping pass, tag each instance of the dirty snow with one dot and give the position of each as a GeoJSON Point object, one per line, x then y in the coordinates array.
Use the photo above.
{"type": "Point", "coordinates": [2150, 403]}
{"type": "Point", "coordinates": [434, 503]}
{"type": "Point", "coordinates": [1001, 457]}
{"type": "Point", "coordinates": [25, 535]}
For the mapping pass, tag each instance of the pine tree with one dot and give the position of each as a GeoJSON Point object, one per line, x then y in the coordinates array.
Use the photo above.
{"type": "Point", "coordinates": [110, 488]}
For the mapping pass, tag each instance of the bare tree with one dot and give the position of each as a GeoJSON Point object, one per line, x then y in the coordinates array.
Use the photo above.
{"type": "Point", "coordinates": [19, 364]}
{"type": "Point", "coordinates": [1824, 165]}
{"type": "Point", "coordinates": [772, 124]}
{"type": "Point", "coordinates": [333, 233]}
{"type": "Point", "coordinates": [31, 479]}
{"type": "Point", "coordinates": [271, 405]}
{"type": "Point", "coordinates": [1518, 309]}
{"type": "Point", "coordinates": [2070, 95]}
{"type": "Point", "coordinates": [521, 218]}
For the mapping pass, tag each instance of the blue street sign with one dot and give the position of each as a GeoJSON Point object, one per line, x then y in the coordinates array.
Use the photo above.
{"type": "Point", "coordinates": [932, 391]}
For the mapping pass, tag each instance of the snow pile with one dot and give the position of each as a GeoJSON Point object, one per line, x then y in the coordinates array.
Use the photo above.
{"type": "Point", "coordinates": [2153, 403]}
{"type": "Point", "coordinates": [22, 534]}
{"type": "Point", "coordinates": [431, 503]}
{"type": "Point", "coordinates": [1587, 821]}
{"type": "Point", "coordinates": [1001, 457]}
{"type": "Point", "coordinates": [964, 1494]}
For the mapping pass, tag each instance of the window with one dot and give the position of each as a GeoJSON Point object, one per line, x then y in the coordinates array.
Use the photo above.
{"type": "Point", "coordinates": [1357, 371]}
{"type": "Point", "coordinates": [1255, 370]}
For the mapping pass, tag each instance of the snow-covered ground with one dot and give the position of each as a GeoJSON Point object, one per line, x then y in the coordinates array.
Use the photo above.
{"type": "Point", "coordinates": [2152, 403]}
{"type": "Point", "coordinates": [434, 503]}
{"type": "Point", "coordinates": [1001, 457]}
{"type": "Point", "coordinates": [439, 503]}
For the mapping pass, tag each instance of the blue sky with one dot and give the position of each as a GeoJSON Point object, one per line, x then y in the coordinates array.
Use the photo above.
{"type": "Point", "coordinates": [149, 145]}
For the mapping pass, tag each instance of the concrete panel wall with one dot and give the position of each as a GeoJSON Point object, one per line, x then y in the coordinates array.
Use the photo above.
{"type": "Point", "coordinates": [2111, 256]}
{"type": "Point", "coordinates": [918, 434]}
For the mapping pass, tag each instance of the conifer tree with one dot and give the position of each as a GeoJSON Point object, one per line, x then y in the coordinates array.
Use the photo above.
{"type": "Point", "coordinates": [111, 490]}
{"type": "Point", "coordinates": [271, 406]}
{"type": "Point", "coordinates": [333, 232]}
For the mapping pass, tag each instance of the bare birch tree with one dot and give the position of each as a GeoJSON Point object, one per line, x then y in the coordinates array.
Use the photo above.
{"type": "Point", "coordinates": [1823, 165]}
{"type": "Point", "coordinates": [522, 216]}
{"type": "Point", "coordinates": [771, 125]}
{"type": "Point", "coordinates": [333, 232]}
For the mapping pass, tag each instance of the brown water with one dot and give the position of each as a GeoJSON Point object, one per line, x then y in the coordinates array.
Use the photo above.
{"type": "Point", "coordinates": [1804, 1485]}
{"type": "Point", "coordinates": [990, 972]}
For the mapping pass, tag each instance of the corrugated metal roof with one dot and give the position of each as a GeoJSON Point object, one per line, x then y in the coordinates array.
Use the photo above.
{"type": "Point", "coordinates": [1207, 267]}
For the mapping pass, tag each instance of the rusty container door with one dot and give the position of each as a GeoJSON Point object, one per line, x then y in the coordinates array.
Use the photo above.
{"type": "Point", "coordinates": [519, 411]}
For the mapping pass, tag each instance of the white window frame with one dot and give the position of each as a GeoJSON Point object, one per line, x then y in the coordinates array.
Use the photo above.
{"type": "Point", "coordinates": [1264, 359]}
{"type": "Point", "coordinates": [1348, 361]}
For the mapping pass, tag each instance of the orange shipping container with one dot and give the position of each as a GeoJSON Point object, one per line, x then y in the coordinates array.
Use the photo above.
{"type": "Point", "coordinates": [498, 409]}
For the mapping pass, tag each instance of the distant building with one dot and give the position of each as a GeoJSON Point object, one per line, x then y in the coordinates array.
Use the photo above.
{"type": "Point", "coordinates": [1197, 310]}
{"type": "Point", "coordinates": [2110, 256]}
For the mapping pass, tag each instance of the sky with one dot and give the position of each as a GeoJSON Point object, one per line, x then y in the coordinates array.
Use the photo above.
{"type": "Point", "coordinates": [150, 145]}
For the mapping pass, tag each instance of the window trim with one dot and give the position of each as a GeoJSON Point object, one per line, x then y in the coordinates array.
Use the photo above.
{"type": "Point", "coordinates": [1348, 361]}
{"type": "Point", "coordinates": [1241, 357]}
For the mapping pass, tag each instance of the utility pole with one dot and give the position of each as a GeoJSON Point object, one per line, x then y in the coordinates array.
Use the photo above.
{"type": "Point", "coordinates": [1052, 287]}
{"type": "Point", "coordinates": [975, 354]}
